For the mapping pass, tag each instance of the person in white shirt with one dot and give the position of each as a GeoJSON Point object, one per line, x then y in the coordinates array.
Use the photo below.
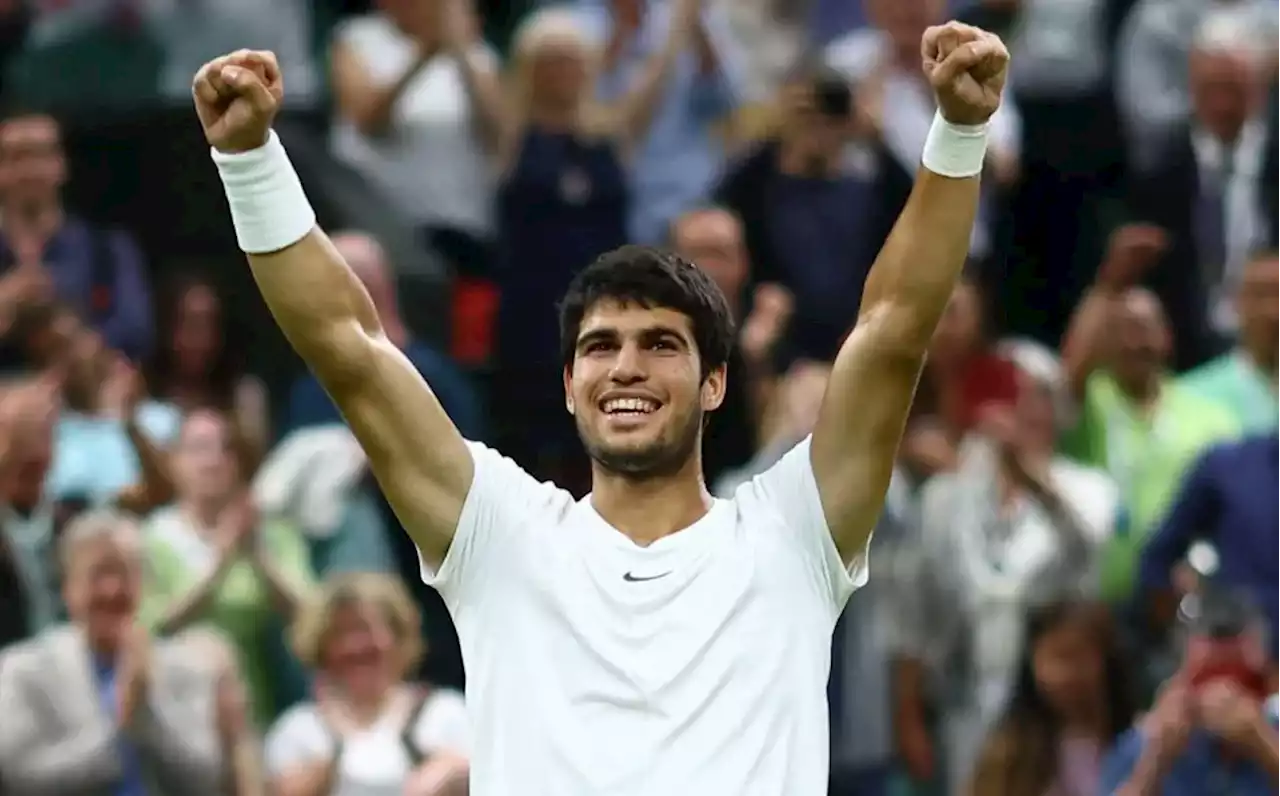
{"type": "Point", "coordinates": [648, 639]}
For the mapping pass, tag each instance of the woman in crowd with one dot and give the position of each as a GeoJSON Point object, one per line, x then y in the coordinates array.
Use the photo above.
{"type": "Point", "coordinates": [1071, 699]}
{"type": "Point", "coordinates": [963, 375]}
{"type": "Point", "coordinates": [562, 202]}
{"type": "Point", "coordinates": [214, 560]}
{"type": "Point", "coordinates": [406, 79]}
{"type": "Point", "coordinates": [369, 733]}
{"type": "Point", "coordinates": [1012, 522]}
{"type": "Point", "coordinates": [196, 365]}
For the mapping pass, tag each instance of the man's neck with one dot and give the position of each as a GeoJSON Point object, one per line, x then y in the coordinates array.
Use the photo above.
{"type": "Point", "coordinates": [649, 509]}
{"type": "Point", "coordinates": [797, 161]}
{"type": "Point", "coordinates": [1143, 392]}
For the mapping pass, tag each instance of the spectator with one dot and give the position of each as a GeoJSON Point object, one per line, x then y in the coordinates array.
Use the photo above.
{"type": "Point", "coordinates": [97, 272]}
{"type": "Point", "coordinates": [1210, 730]}
{"type": "Point", "coordinates": [213, 561]}
{"type": "Point", "coordinates": [1152, 62]}
{"type": "Point", "coordinates": [963, 376]}
{"type": "Point", "coordinates": [416, 92]}
{"type": "Point", "coordinates": [1012, 524]}
{"type": "Point", "coordinates": [563, 201]}
{"type": "Point", "coordinates": [817, 201]}
{"type": "Point", "coordinates": [98, 706]}
{"type": "Point", "coordinates": [27, 523]}
{"type": "Point", "coordinates": [309, 405]}
{"type": "Point", "coordinates": [679, 159]}
{"type": "Point", "coordinates": [1244, 379]}
{"type": "Point", "coordinates": [1207, 189]}
{"type": "Point", "coordinates": [369, 733]}
{"type": "Point", "coordinates": [1142, 427]}
{"type": "Point", "coordinates": [712, 238]}
{"type": "Point", "coordinates": [197, 364]}
{"type": "Point", "coordinates": [1225, 500]}
{"type": "Point", "coordinates": [107, 435]}
{"type": "Point", "coordinates": [1071, 700]}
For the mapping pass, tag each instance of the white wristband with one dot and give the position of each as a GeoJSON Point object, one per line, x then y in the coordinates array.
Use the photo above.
{"type": "Point", "coordinates": [269, 209]}
{"type": "Point", "coordinates": [954, 150]}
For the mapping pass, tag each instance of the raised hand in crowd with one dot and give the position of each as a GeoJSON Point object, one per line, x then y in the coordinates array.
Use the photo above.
{"type": "Point", "coordinates": [761, 332]}
{"type": "Point", "coordinates": [1131, 251]}
{"type": "Point", "coordinates": [1237, 719]}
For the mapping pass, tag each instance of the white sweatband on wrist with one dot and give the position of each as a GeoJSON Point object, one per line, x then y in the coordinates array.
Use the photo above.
{"type": "Point", "coordinates": [954, 150]}
{"type": "Point", "coordinates": [269, 209]}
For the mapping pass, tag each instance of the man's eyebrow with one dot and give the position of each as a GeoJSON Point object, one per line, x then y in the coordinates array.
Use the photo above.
{"type": "Point", "coordinates": [596, 335]}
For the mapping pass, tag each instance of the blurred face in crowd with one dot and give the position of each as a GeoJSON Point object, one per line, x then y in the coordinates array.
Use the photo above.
{"type": "Point", "coordinates": [558, 60]}
{"type": "Point", "coordinates": [204, 464]}
{"type": "Point", "coordinates": [712, 240]}
{"type": "Point", "coordinates": [1140, 336]}
{"type": "Point", "coordinates": [818, 123]}
{"type": "Point", "coordinates": [636, 391]}
{"type": "Point", "coordinates": [1224, 91]}
{"type": "Point", "coordinates": [360, 650]}
{"type": "Point", "coordinates": [959, 331]}
{"type": "Point", "coordinates": [197, 330]}
{"type": "Point", "coordinates": [904, 21]}
{"type": "Point", "coordinates": [1034, 414]}
{"type": "Point", "coordinates": [1259, 308]}
{"type": "Point", "coordinates": [31, 450]}
{"type": "Point", "coordinates": [32, 165]}
{"type": "Point", "coordinates": [416, 18]}
{"type": "Point", "coordinates": [101, 585]}
{"type": "Point", "coordinates": [1241, 659]}
{"type": "Point", "coordinates": [1069, 665]}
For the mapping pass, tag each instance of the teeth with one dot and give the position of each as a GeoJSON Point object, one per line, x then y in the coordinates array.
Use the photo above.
{"type": "Point", "coordinates": [641, 405]}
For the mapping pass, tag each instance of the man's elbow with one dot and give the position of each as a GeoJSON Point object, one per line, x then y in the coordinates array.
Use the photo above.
{"type": "Point", "coordinates": [895, 333]}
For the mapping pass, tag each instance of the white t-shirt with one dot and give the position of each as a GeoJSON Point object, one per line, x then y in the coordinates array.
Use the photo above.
{"type": "Point", "coordinates": [696, 665]}
{"type": "Point", "coordinates": [431, 162]}
{"type": "Point", "coordinates": [374, 762]}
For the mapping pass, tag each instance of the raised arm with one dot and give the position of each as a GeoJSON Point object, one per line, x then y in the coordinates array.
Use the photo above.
{"type": "Point", "coordinates": [874, 378]}
{"type": "Point", "coordinates": [417, 455]}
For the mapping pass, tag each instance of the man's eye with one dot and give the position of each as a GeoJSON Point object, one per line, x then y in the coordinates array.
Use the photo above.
{"type": "Point", "coordinates": [597, 348]}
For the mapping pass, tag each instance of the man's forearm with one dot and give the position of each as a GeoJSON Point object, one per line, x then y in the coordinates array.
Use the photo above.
{"type": "Point", "coordinates": [923, 258]}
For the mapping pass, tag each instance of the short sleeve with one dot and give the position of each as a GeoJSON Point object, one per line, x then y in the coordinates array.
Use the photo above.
{"type": "Point", "coordinates": [444, 724]}
{"type": "Point", "coordinates": [297, 738]}
{"type": "Point", "coordinates": [1118, 764]}
{"type": "Point", "coordinates": [503, 506]}
{"type": "Point", "coordinates": [790, 489]}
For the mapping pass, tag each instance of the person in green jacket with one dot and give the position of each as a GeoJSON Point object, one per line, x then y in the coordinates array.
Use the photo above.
{"type": "Point", "coordinates": [212, 560]}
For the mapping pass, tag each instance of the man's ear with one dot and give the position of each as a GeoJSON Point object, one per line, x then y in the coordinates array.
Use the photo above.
{"type": "Point", "coordinates": [568, 388]}
{"type": "Point", "coordinates": [713, 387]}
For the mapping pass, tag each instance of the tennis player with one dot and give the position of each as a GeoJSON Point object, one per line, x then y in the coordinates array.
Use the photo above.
{"type": "Point", "coordinates": [647, 640]}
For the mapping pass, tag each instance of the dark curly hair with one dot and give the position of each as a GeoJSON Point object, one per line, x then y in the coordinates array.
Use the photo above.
{"type": "Point", "coordinates": [649, 277]}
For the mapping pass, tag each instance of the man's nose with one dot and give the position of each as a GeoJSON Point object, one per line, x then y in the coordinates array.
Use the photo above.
{"type": "Point", "coordinates": [628, 367]}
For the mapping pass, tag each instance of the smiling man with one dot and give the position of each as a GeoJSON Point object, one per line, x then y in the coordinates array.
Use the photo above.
{"type": "Point", "coordinates": [648, 639]}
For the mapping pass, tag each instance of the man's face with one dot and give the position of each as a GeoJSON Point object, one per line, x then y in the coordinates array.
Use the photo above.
{"type": "Point", "coordinates": [636, 390]}
{"type": "Point", "coordinates": [1259, 307]}
{"type": "Point", "coordinates": [32, 165]}
{"type": "Point", "coordinates": [1140, 335]}
{"type": "Point", "coordinates": [1223, 91]}
{"type": "Point", "coordinates": [102, 584]}
{"type": "Point", "coordinates": [712, 240]}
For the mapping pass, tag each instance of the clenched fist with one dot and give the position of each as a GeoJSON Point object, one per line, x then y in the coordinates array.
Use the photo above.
{"type": "Point", "coordinates": [967, 67]}
{"type": "Point", "coordinates": [236, 98]}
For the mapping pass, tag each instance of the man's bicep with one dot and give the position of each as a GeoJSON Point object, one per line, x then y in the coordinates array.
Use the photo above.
{"type": "Point", "coordinates": [417, 455]}
{"type": "Point", "coordinates": [859, 430]}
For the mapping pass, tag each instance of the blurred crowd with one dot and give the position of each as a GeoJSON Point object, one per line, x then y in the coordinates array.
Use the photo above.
{"type": "Point", "coordinates": [1074, 582]}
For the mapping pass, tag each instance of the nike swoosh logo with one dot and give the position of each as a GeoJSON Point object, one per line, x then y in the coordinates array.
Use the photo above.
{"type": "Point", "coordinates": [637, 579]}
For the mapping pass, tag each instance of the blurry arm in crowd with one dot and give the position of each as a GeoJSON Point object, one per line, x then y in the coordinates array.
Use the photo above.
{"type": "Point", "coordinates": [171, 606]}
{"type": "Point", "coordinates": [876, 371]}
{"type": "Point", "coordinates": [479, 69]}
{"type": "Point", "coordinates": [1191, 514]}
{"type": "Point", "coordinates": [282, 559]}
{"type": "Point", "coordinates": [128, 328]}
{"type": "Point", "coordinates": [252, 425]}
{"type": "Point", "coordinates": [1133, 248]}
{"type": "Point", "coordinates": [156, 488]}
{"type": "Point", "coordinates": [635, 109]}
{"type": "Point", "coordinates": [361, 101]}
